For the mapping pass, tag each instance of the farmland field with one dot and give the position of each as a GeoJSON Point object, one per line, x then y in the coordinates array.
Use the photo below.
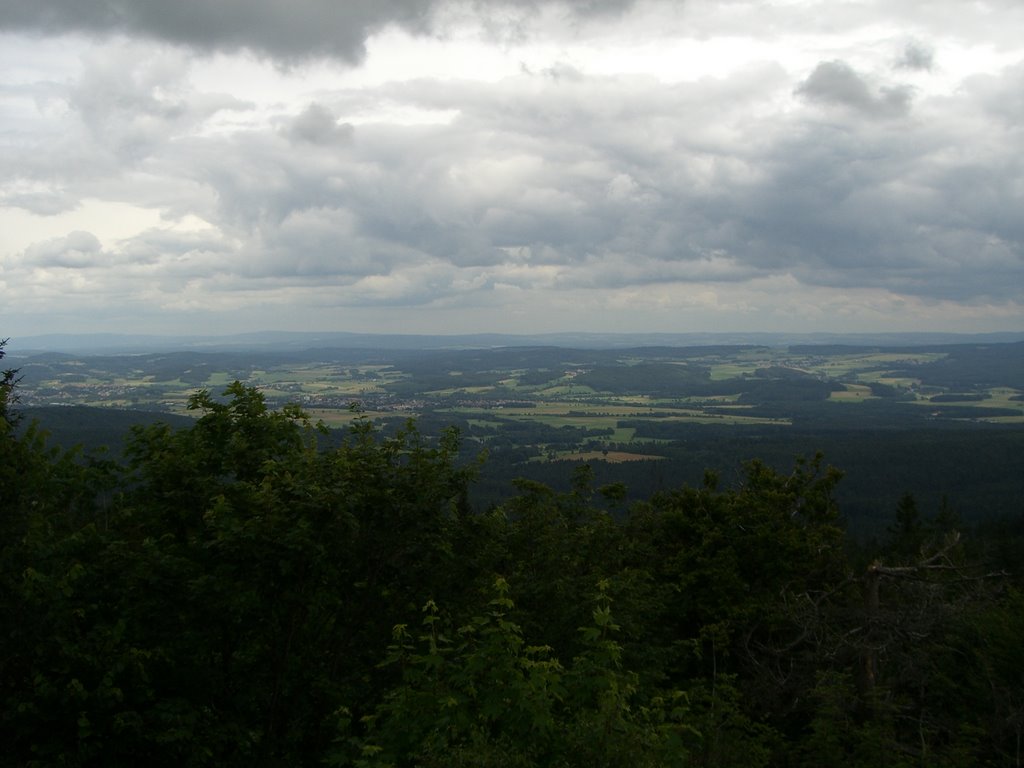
{"type": "Point", "coordinates": [650, 417]}
{"type": "Point", "coordinates": [741, 385]}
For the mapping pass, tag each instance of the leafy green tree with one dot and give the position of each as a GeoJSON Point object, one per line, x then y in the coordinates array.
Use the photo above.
{"type": "Point", "coordinates": [482, 695]}
{"type": "Point", "coordinates": [907, 533]}
{"type": "Point", "coordinates": [8, 397]}
{"type": "Point", "coordinates": [555, 547]}
{"type": "Point", "coordinates": [839, 735]}
{"type": "Point", "coordinates": [742, 579]}
{"type": "Point", "coordinates": [910, 649]}
{"type": "Point", "coordinates": [229, 598]}
{"type": "Point", "coordinates": [54, 514]}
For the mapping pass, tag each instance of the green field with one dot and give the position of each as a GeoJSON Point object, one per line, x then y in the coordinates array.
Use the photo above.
{"type": "Point", "coordinates": [545, 396]}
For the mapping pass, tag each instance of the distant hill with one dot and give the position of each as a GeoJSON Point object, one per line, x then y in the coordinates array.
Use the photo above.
{"type": "Point", "coordinates": [99, 343]}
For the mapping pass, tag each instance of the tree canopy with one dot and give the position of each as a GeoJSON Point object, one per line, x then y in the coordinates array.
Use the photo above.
{"type": "Point", "coordinates": [239, 592]}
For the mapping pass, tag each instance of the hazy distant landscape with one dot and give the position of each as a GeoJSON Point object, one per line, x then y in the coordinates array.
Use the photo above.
{"type": "Point", "coordinates": [741, 383]}
{"type": "Point", "coordinates": [945, 421]}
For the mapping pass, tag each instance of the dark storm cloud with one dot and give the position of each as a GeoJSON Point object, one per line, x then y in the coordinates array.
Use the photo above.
{"type": "Point", "coordinates": [557, 179]}
{"type": "Point", "coordinates": [837, 83]}
{"type": "Point", "coordinates": [916, 56]}
{"type": "Point", "coordinates": [888, 207]}
{"type": "Point", "coordinates": [296, 29]}
{"type": "Point", "coordinates": [317, 125]}
{"type": "Point", "coordinates": [614, 181]}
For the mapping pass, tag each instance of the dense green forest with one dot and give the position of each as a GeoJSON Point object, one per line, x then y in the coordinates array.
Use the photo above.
{"type": "Point", "coordinates": [249, 590]}
{"type": "Point", "coordinates": [944, 421]}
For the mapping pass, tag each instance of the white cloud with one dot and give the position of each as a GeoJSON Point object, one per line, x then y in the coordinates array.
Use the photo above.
{"type": "Point", "coordinates": [78, 249]}
{"type": "Point", "coordinates": [467, 166]}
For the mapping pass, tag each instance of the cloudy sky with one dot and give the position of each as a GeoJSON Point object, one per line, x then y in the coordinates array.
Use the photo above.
{"type": "Point", "coordinates": [524, 166]}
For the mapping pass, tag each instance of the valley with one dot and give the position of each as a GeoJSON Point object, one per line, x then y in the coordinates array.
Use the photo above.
{"type": "Point", "coordinates": [943, 421]}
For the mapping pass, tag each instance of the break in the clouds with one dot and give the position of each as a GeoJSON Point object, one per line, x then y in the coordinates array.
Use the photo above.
{"type": "Point", "coordinates": [521, 166]}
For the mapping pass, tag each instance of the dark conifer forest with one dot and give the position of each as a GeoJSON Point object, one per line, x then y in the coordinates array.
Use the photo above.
{"type": "Point", "coordinates": [244, 591]}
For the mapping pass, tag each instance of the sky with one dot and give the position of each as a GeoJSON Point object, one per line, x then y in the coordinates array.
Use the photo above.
{"type": "Point", "coordinates": [426, 166]}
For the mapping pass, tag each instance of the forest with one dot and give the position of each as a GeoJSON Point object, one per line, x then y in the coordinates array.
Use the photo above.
{"type": "Point", "coordinates": [251, 588]}
{"type": "Point", "coordinates": [944, 421]}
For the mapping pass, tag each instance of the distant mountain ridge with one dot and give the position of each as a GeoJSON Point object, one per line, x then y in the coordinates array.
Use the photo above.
{"type": "Point", "coordinates": [299, 340]}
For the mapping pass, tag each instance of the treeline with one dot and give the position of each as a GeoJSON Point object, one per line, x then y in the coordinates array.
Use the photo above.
{"type": "Point", "coordinates": [676, 380]}
{"type": "Point", "coordinates": [970, 367]}
{"type": "Point", "coordinates": [979, 470]}
{"type": "Point", "coordinates": [234, 593]}
{"type": "Point", "coordinates": [979, 467]}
